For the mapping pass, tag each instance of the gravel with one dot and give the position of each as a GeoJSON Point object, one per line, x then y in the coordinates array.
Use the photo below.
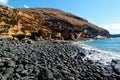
{"type": "Point", "coordinates": [49, 61]}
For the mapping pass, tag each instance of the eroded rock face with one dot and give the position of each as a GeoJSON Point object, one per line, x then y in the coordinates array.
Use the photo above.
{"type": "Point", "coordinates": [45, 23]}
{"type": "Point", "coordinates": [16, 23]}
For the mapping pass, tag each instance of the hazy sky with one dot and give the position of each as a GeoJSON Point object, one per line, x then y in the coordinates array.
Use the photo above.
{"type": "Point", "coordinates": [104, 13]}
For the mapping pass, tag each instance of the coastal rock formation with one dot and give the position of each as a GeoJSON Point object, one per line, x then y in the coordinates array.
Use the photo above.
{"type": "Point", "coordinates": [68, 25]}
{"type": "Point", "coordinates": [15, 23]}
{"type": "Point", "coordinates": [46, 23]}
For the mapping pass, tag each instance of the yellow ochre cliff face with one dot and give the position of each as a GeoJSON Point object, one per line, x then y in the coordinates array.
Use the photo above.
{"type": "Point", "coordinates": [45, 23]}
{"type": "Point", "coordinates": [16, 23]}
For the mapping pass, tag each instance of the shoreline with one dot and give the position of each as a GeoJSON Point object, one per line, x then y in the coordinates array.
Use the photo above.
{"type": "Point", "coordinates": [49, 61]}
{"type": "Point", "coordinates": [98, 53]}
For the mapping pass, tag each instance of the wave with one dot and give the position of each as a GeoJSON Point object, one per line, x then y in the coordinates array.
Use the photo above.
{"type": "Point", "coordinates": [95, 54]}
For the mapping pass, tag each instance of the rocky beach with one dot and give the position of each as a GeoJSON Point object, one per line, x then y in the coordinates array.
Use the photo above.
{"type": "Point", "coordinates": [51, 61]}
{"type": "Point", "coordinates": [38, 44]}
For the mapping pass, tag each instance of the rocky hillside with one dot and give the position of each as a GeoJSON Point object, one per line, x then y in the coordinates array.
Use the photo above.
{"type": "Point", "coordinates": [15, 23]}
{"type": "Point", "coordinates": [46, 23]}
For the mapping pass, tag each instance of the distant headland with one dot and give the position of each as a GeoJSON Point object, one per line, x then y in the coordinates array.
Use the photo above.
{"type": "Point", "coordinates": [115, 35]}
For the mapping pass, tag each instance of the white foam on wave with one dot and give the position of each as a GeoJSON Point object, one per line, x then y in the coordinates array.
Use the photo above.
{"type": "Point", "coordinates": [104, 57]}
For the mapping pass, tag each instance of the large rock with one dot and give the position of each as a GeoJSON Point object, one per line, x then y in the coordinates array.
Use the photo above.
{"type": "Point", "coordinates": [116, 66]}
{"type": "Point", "coordinates": [45, 74]}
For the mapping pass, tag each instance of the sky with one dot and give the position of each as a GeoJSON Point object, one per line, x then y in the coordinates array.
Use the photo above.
{"type": "Point", "coordinates": [104, 13]}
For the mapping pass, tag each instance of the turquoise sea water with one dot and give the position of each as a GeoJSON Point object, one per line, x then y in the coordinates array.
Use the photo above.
{"type": "Point", "coordinates": [109, 44]}
{"type": "Point", "coordinates": [104, 50]}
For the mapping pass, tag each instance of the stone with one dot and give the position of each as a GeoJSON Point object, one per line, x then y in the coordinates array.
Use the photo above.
{"type": "Point", "coordinates": [8, 71]}
{"type": "Point", "coordinates": [24, 73]}
{"type": "Point", "coordinates": [81, 54]}
{"type": "Point", "coordinates": [116, 66]}
{"type": "Point", "coordinates": [90, 61]}
{"type": "Point", "coordinates": [73, 71]}
{"type": "Point", "coordinates": [17, 75]}
{"type": "Point", "coordinates": [1, 64]}
{"type": "Point", "coordinates": [4, 78]}
{"type": "Point", "coordinates": [19, 68]}
{"type": "Point", "coordinates": [35, 71]}
{"type": "Point", "coordinates": [11, 64]}
{"type": "Point", "coordinates": [59, 66]}
{"type": "Point", "coordinates": [71, 78]}
{"type": "Point", "coordinates": [2, 69]}
{"type": "Point", "coordinates": [45, 74]}
{"type": "Point", "coordinates": [64, 72]}
{"type": "Point", "coordinates": [57, 75]}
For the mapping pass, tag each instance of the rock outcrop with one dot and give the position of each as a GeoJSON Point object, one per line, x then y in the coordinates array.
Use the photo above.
{"type": "Point", "coordinates": [15, 23]}
{"type": "Point", "coordinates": [46, 23]}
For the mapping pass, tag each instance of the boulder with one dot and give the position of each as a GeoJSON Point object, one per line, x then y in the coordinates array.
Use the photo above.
{"type": "Point", "coordinates": [116, 66]}
{"type": "Point", "coordinates": [45, 74]}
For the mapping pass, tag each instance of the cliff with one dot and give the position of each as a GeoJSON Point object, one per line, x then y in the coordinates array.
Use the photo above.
{"type": "Point", "coordinates": [46, 23]}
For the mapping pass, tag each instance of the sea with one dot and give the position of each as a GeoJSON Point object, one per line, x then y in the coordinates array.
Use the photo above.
{"type": "Point", "coordinates": [103, 50]}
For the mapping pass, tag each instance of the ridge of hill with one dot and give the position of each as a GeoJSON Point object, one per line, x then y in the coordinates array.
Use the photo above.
{"type": "Point", "coordinates": [46, 23]}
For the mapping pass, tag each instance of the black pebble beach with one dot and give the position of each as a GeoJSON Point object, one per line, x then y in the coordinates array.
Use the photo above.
{"type": "Point", "coordinates": [49, 61]}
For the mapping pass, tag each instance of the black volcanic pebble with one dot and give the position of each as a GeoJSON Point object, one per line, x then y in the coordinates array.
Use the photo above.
{"type": "Point", "coordinates": [116, 66]}
{"type": "Point", "coordinates": [19, 68]}
{"type": "Point", "coordinates": [1, 64]}
{"type": "Point", "coordinates": [49, 61]}
{"type": "Point", "coordinates": [45, 74]}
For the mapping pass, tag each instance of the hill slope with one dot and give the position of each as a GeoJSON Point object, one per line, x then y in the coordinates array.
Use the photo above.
{"type": "Point", "coordinates": [46, 23]}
